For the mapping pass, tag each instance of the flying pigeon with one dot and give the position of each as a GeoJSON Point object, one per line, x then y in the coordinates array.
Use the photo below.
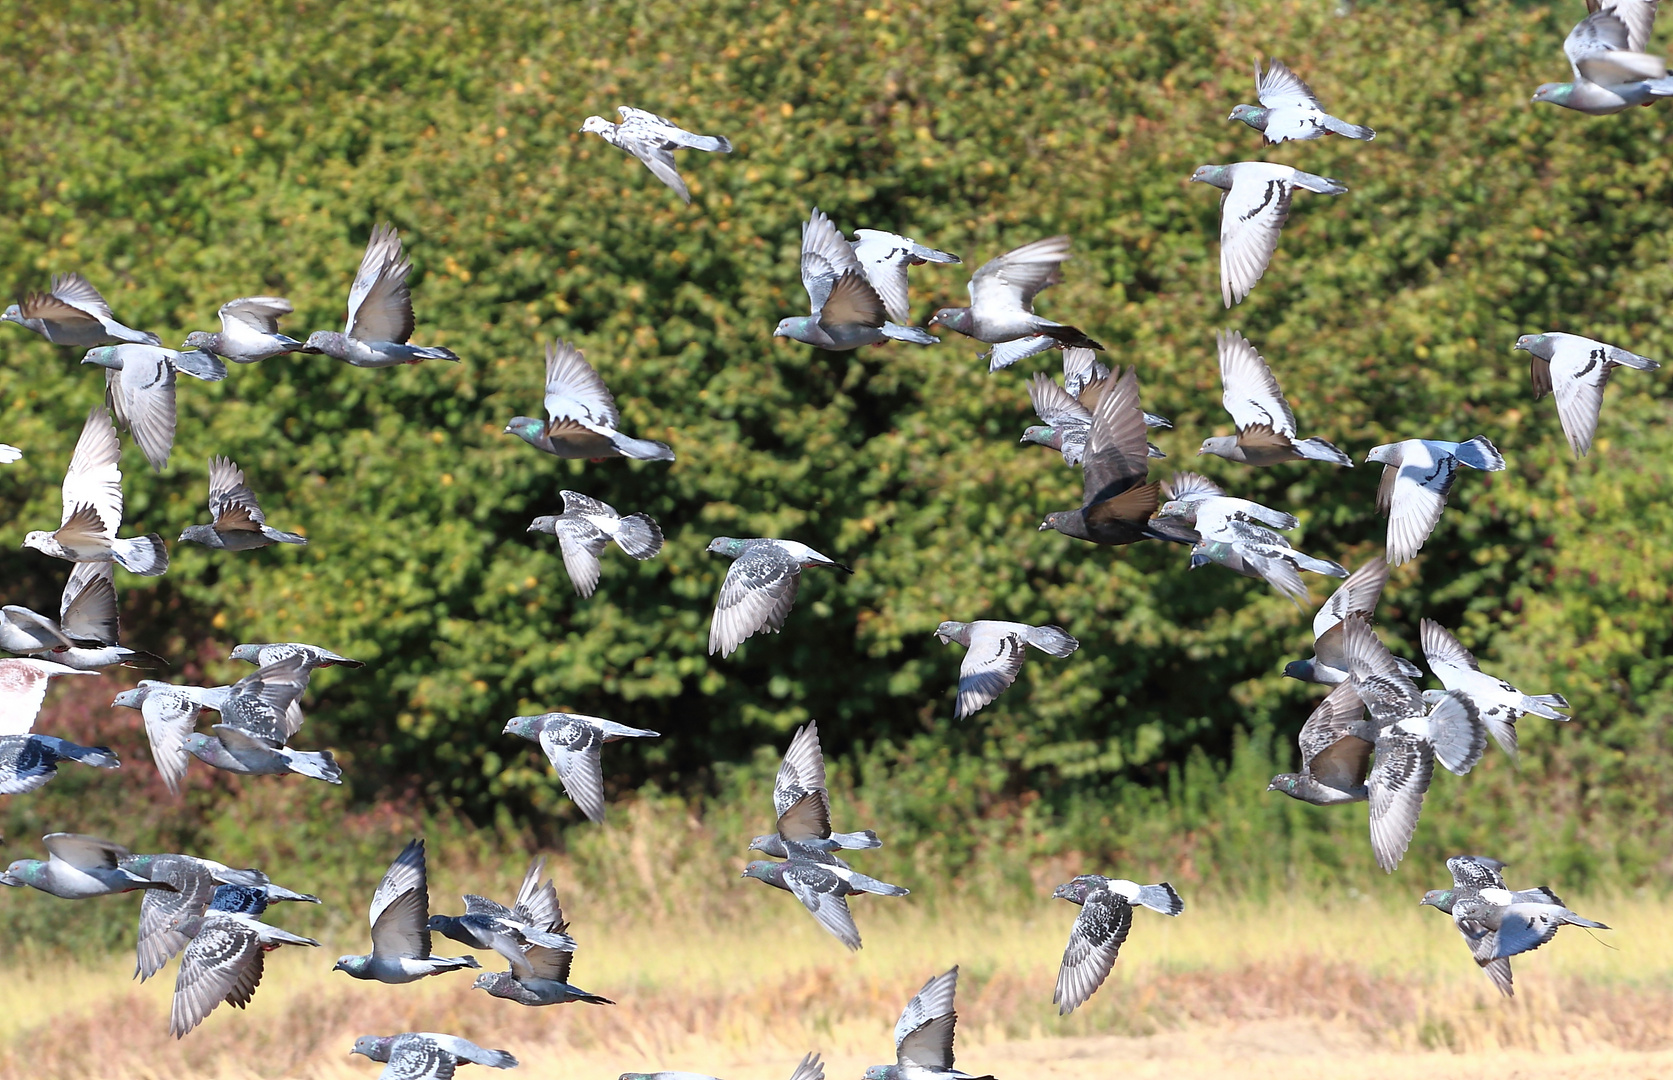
{"type": "Point", "coordinates": [885, 258]}
{"type": "Point", "coordinates": [139, 388]}
{"type": "Point", "coordinates": [1336, 746]}
{"type": "Point", "coordinates": [546, 981]}
{"type": "Point", "coordinates": [1576, 369]}
{"type": "Point", "coordinates": [802, 806]}
{"type": "Point", "coordinates": [507, 930]}
{"type": "Point", "coordinates": [1358, 595]}
{"type": "Point", "coordinates": [1239, 535]}
{"type": "Point", "coordinates": [312, 655]}
{"type": "Point", "coordinates": [73, 313]}
{"type": "Point", "coordinates": [1606, 55]}
{"type": "Point", "coordinates": [1106, 913]}
{"type": "Point", "coordinates": [653, 140]}
{"type": "Point", "coordinates": [1253, 210]}
{"type": "Point", "coordinates": [823, 888]}
{"type": "Point", "coordinates": [78, 867]}
{"type": "Point", "coordinates": [427, 1055]}
{"type": "Point", "coordinates": [223, 960]}
{"type": "Point", "coordinates": [848, 310]}
{"type": "Point", "coordinates": [760, 587]}
{"type": "Point", "coordinates": [85, 636]}
{"type": "Point", "coordinates": [585, 529]}
{"type": "Point", "coordinates": [239, 524]}
{"type": "Point", "coordinates": [380, 320]}
{"type": "Point", "coordinates": [400, 920]}
{"type": "Point", "coordinates": [23, 630]}
{"type": "Point", "coordinates": [811, 1068]}
{"type": "Point", "coordinates": [249, 331]}
{"type": "Point", "coordinates": [583, 415]}
{"type": "Point", "coordinates": [1066, 419]}
{"type": "Point", "coordinates": [995, 655]}
{"type": "Point", "coordinates": [574, 745]}
{"type": "Point", "coordinates": [27, 760]}
{"type": "Point", "coordinates": [196, 881]}
{"type": "Point", "coordinates": [1417, 477]}
{"type": "Point", "coordinates": [1289, 111]}
{"type": "Point", "coordinates": [23, 686]}
{"type": "Point", "coordinates": [1265, 424]}
{"type": "Point", "coordinates": [93, 508]}
{"type": "Point", "coordinates": [1499, 703]}
{"type": "Point", "coordinates": [1118, 501]}
{"type": "Point", "coordinates": [924, 1036]}
{"type": "Point", "coordinates": [1001, 311]}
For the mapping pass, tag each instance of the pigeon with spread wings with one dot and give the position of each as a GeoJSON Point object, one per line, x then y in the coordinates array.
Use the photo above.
{"type": "Point", "coordinates": [1265, 424]}
{"type": "Point", "coordinates": [582, 415]}
{"type": "Point", "coordinates": [994, 656]}
{"type": "Point", "coordinates": [1417, 478]}
{"type": "Point", "coordinates": [759, 588]}
{"type": "Point", "coordinates": [924, 1036]}
{"type": "Point", "coordinates": [249, 331]}
{"type": "Point", "coordinates": [1106, 913]}
{"type": "Point", "coordinates": [586, 527]}
{"type": "Point", "coordinates": [380, 320]}
{"type": "Point", "coordinates": [1576, 370]}
{"type": "Point", "coordinates": [1290, 111]}
{"type": "Point", "coordinates": [1001, 311]}
{"type": "Point", "coordinates": [1253, 209]}
{"type": "Point", "coordinates": [224, 959]}
{"type": "Point", "coordinates": [400, 921]}
{"type": "Point", "coordinates": [93, 508]}
{"type": "Point", "coordinates": [239, 524]}
{"type": "Point", "coordinates": [653, 139]}
{"type": "Point", "coordinates": [847, 309]}
{"type": "Point", "coordinates": [574, 745]}
{"type": "Point", "coordinates": [802, 806]}
{"type": "Point", "coordinates": [73, 313]}
{"type": "Point", "coordinates": [1611, 71]}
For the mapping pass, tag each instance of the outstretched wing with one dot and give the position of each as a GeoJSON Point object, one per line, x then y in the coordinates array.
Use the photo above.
{"type": "Point", "coordinates": [400, 912]}
{"type": "Point", "coordinates": [1094, 942]}
{"type": "Point", "coordinates": [1009, 283]}
{"type": "Point", "coordinates": [380, 307]}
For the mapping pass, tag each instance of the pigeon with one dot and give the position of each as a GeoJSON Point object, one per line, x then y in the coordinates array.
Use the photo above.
{"type": "Point", "coordinates": [87, 615]}
{"type": "Point", "coordinates": [427, 1055]}
{"type": "Point", "coordinates": [380, 318]}
{"type": "Point", "coordinates": [312, 655]}
{"type": "Point", "coordinates": [811, 1068]}
{"type": "Point", "coordinates": [759, 589]}
{"type": "Point", "coordinates": [27, 760]}
{"type": "Point", "coordinates": [802, 806]}
{"type": "Point", "coordinates": [1497, 922]}
{"type": "Point", "coordinates": [1001, 311]}
{"type": "Point", "coordinates": [139, 388]}
{"type": "Point", "coordinates": [249, 331]}
{"type": "Point", "coordinates": [1576, 370]}
{"type": "Point", "coordinates": [1358, 595]}
{"type": "Point", "coordinates": [1499, 703]}
{"type": "Point", "coordinates": [400, 921]}
{"type": "Point", "coordinates": [239, 524]}
{"type": "Point", "coordinates": [1265, 424]}
{"type": "Point", "coordinates": [1336, 746]}
{"type": "Point", "coordinates": [23, 686]}
{"type": "Point", "coordinates": [885, 257]}
{"type": "Point", "coordinates": [823, 888]}
{"type": "Point", "coordinates": [653, 139]}
{"type": "Point", "coordinates": [197, 880]}
{"type": "Point", "coordinates": [1235, 533]}
{"type": "Point", "coordinates": [1106, 913]}
{"type": "Point", "coordinates": [1605, 52]}
{"type": "Point", "coordinates": [995, 654]}
{"type": "Point", "coordinates": [1253, 210]}
{"type": "Point", "coordinates": [848, 311]}
{"type": "Point", "coordinates": [924, 1036]}
{"type": "Point", "coordinates": [93, 508]}
{"type": "Point", "coordinates": [547, 979]}
{"type": "Point", "coordinates": [573, 745]}
{"type": "Point", "coordinates": [1417, 477]}
{"type": "Point", "coordinates": [23, 630]}
{"type": "Point", "coordinates": [1118, 502]}
{"type": "Point", "coordinates": [73, 313]}
{"type": "Point", "coordinates": [583, 415]}
{"type": "Point", "coordinates": [1066, 419]}
{"type": "Point", "coordinates": [232, 749]}
{"type": "Point", "coordinates": [223, 960]}
{"type": "Point", "coordinates": [78, 867]}
{"type": "Point", "coordinates": [255, 703]}
{"type": "Point", "coordinates": [585, 529]}
{"type": "Point", "coordinates": [489, 925]}
{"type": "Point", "coordinates": [1289, 111]}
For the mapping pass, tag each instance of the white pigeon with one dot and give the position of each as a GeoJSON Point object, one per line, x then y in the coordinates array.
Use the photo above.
{"type": "Point", "coordinates": [1289, 110]}
{"type": "Point", "coordinates": [1265, 424]}
{"type": "Point", "coordinates": [653, 139]}
{"type": "Point", "coordinates": [23, 686]}
{"type": "Point", "coordinates": [93, 508]}
{"type": "Point", "coordinates": [249, 331]}
{"type": "Point", "coordinates": [1253, 210]}
{"type": "Point", "coordinates": [1576, 369]}
{"type": "Point", "coordinates": [1611, 71]}
{"type": "Point", "coordinates": [1417, 478]}
{"type": "Point", "coordinates": [994, 656]}
{"type": "Point", "coordinates": [1499, 703]}
{"type": "Point", "coordinates": [73, 313]}
{"type": "Point", "coordinates": [885, 258]}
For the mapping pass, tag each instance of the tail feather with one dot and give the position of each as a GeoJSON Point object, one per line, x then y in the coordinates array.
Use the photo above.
{"type": "Point", "coordinates": [1320, 566]}
{"type": "Point", "coordinates": [1071, 337]}
{"type": "Point", "coordinates": [642, 449]}
{"type": "Point", "coordinates": [1006, 353]}
{"type": "Point", "coordinates": [864, 840]}
{"type": "Point", "coordinates": [1319, 450]}
{"type": "Point", "coordinates": [1572, 919]}
{"type": "Point", "coordinates": [434, 352]}
{"type": "Point", "coordinates": [1324, 185]}
{"type": "Point", "coordinates": [100, 757]}
{"type": "Point", "coordinates": [1457, 733]}
{"type": "Point", "coordinates": [319, 765]}
{"type": "Point", "coordinates": [714, 144]}
{"type": "Point", "coordinates": [1161, 898]}
{"type": "Point", "coordinates": [280, 537]}
{"type": "Point", "coordinates": [872, 885]}
{"type": "Point", "coordinates": [639, 536]}
{"type": "Point", "coordinates": [921, 253]}
{"type": "Point", "coordinates": [1545, 705]}
{"type": "Point", "coordinates": [912, 334]}
{"type": "Point", "coordinates": [200, 365]}
{"type": "Point", "coordinates": [143, 555]}
{"type": "Point", "coordinates": [1352, 131]}
{"type": "Point", "coordinates": [1052, 639]}
{"type": "Point", "coordinates": [1480, 453]}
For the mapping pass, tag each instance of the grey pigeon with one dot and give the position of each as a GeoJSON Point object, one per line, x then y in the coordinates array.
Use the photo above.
{"type": "Point", "coordinates": [239, 524]}
{"type": "Point", "coordinates": [653, 140]}
{"type": "Point", "coordinates": [1499, 703]}
{"type": "Point", "coordinates": [427, 1055]}
{"type": "Point", "coordinates": [546, 981]}
{"type": "Point", "coordinates": [574, 745]}
{"type": "Point", "coordinates": [1610, 68]}
{"type": "Point", "coordinates": [23, 630]}
{"type": "Point", "coordinates": [924, 1036]}
{"type": "Point", "coordinates": [1576, 370]}
{"type": "Point", "coordinates": [232, 749]}
{"type": "Point", "coordinates": [1417, 478]}
{"type": "Point", "coordinates": [823, 888]}
{"type": "Point", "coordinates": [1106, 914]}
{"type": "Point", "coordinates": [87, 616]}
{"type": "Point", "coordinates": [848, 311]}
{"type": "Point", "coordinates": [93, 508]}
{"type": "Point", "coordinates": [1289, 110]}
{"type": "Point", "coordinates": [885, 258]}
{"type": "Point", "coordinates": [802, 806]}
{"type": "Point", "coordinates": [223, 960]}
{"type": "Point", "coordinates": [78, 867]}
{"type": "Point", "coordinates": [73, 313]}
{"type": "Point", "coordinates": [1253, 210]}
{"type": "Point", "coordinates": [139, 388]}
{"type": "Point", "coordinates": [585, 529]}
{"type": "Point", "coordinates": [1240, 535]}
{"type": "Point", "coordinates": [196, 881]}
{"type": "Point", "coordinates": [1265, 424]}
{"type": "Point", "coordinates": [1336, 747]}
{"type": "Point", "coordinates": [759, 588]}
{"type": "Point", "coordinates": [27, 760]}
{"type": "Point", "coordinates": [811, 1068]}
{"type": "Point", "coordinates": [380, 320]}
{"type": "Point", "coordinates": [1357, 595]}
{"type": "Point", "coordinates": [583, 415]}
{"type": "Point", "coordinates": [400, 920]}
{"type": "Point", "coordinates": [1118, 500]}
{"type": "Point", "coordinates": [506, 930]}
{"type": "Point", "coordinates": [312, 655]}
{"type": "Point", "coordinates": [1001, 311]}
{"type": "Point", "coordinates": [1066, 419]}
{"type": "Point", "coordinates": [249, 331]}
{"type": "Point", "coordinates": [994, 656]}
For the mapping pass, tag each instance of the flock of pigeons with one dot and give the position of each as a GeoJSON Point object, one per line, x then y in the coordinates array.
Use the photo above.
{"type": "Point", "coordinates": [1375, 738]}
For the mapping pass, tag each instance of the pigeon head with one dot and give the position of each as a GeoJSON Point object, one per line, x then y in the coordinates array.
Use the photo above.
{"type": "Point", "coordinates": [354, 965]}
{"type": "Point", "coordinates": [1557, 93]}
{"type": "Point", "coordinates": [1298, 669]}
{"type": "Point", "coordinates": [1288, 783]}
{"type": "Point", "coordinates": [768, 842]}
{"type": "Point", "coordinates": [197, 743]}
{"type": "Point", "coordinates": [1043, 435]}
{"type": "Point", "coordinates": [1073, 891]}
{"type": "Point", "coordinates": [726, 545]}
{"type": "Point", "coordinates": [879, 1072]}
{"type": "Point", "coordinates": [200, 534]}
{"type": "Point", "coordinates": [1253, 115]}
{"type": "Point", "coordinates": [40, 540]}
{"type": "Point", "coordinates": [1219, 445]}
{"type": "Point", "coordinates": [526, 428]}
{"type": "Point", "coordinates": [1053, 521]}
{"type": "Point", "coordinates": [597, 125]}
{"type": "Point", "coordinates": [13, 313]}
{"type": "Point", "coordinates": [326, 341]}
{"type": "Point", "coordinates": [547, 524]}
{"type": "Point", "coordinates": [1216, 175]}
{"type": "Point", "coordinates": [1383, 453]}
{"type": "Point", "coordinates": [105, 356]}
{"type": "Point", "coordinates": [375, 1047]}
{"type": "Point", "coordinates": [760, 870]}
{"type": "Point", "coordinates": [1440, 898]}
{"type": "Point", "coordinates": [1538, 344]}
{"type": "Point", "coordinates": [490, 980]}
{"type": "Point", "coordinates": [131, 699]}
{"type": "Point", "coordinates": [23, 872]}
{"type": "Point", "coordinates": [1433, 697]}
{"type": "Point", "coordinates": [250, 654]}
{"type": "Point", "coordinates": [795, 328]}
{"type": "Point", "coordinates": [953, 318]}
{"type": "Point", "coordinates": [950, 631]}
{"type": "Point", "coordinates": [528, 727]}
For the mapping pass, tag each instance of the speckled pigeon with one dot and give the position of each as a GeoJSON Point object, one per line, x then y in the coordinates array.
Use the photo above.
{"type": "Point", "coordinates": [223, 960]}
{"type": "Point", "coordinates": [312, 655]}
{"type": "Point", "coordinates": [583, 415]}
{"type": "Point", "coordinates": [885, 258]}
{"type": "Point", "coordinates": [27, 760]}
{"type": "Point", "coordinates": [1576, 370]}
{"type": "Point", "coordinates": [547, 978]}
{"type": "Point", "coordinates": [239, 524]}
{"type": "Point", "coordinates": [400, 921]}
{"type": "Point", "coordinates": [1265, 424]}
{"type": "Point", "coordinates": [1288, 110]}
{"type": "Point", "coordinates": [1253, 210]}
{"type": "Point", "coordinates": [1106, 913]}
{"type": "Point", "coordinates": [1239, 535]}
{"type": "Point", "coordinates": [847, 310]}
{"type": "Point", "coordinates": [508, 930]}
{"type": "Point", "coordinates": [653, 139]}
{"type": "Point", "coordinates": [924, 1036]}
{"type": "Point", "coordinates": [380, 319]}
{"type": "Point", "coordinates": [585, 529]}
{"type": "Point", "coordinates": [1606, 55]}
{"type": "Point", "coordinates": [73, 313]}
{"type": "Point", "coordinates": [427, 1055]}
{"type": "Point", "coordinates": [802, 806]}
{"type": "Point", "coordinates": [995, 654]}
{"type": "Point", "coordinates": [759, 588]}
{"type": "Point", "coordinates": [823, 888]}
{"type": "Point", "coordinates": [93, 508]}
{"type": "Point", "coordinates": [1001, 311]}
{"type": "Point", "coordinates": [197, 881]}
{"type": "Point", "coordinates": [249, 331]}
{"type": "Point", "coordinates": [78, 867]}
{"type": "Point", "coordinates": [1499, 703]}
{"type": "Point", "coordinates": [574, 745]}
{"type": "Point", "coordinates": [139, 388]}
{"type": "Point", "coordinates": [1417, 478]}
{"type": "Point", "coordinates": [1358, 595]}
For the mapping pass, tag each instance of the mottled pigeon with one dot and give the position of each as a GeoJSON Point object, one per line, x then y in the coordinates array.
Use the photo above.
{"type": "Point", "coordinates": [924, 1036]}
{"type": "Point", "coordinates": [583, 415]}
{"type": "Point", "coordinates": [1417, 478]}
{"type": "Point", "coordinates": [1239, 535]}
{"type": "Point", "coordinates": [823, 888]}
{"type": "Point", "coordinates": [585, 529]}
{"type": "Point", "coordinates": [380, 319]}
{"type": "Point", "coordinates": [400, 920]}
{"type": "Point", "coordinates": [427, 1055]}
{"type": "Point", "coordinates": [196, 879]}
{"type": "Point", "coordinates": [995, 656]}
{"type": "Point", "coordinates": [1253, 210]}
{"type": "Point", "coordinates": [1289, 111]}
{"type": "Point", "coordinates": [1358, 595]}
{"type": "Point", "coordinates": [508, 930]}
{"type": "Point", "coordinates": [223, 961]}
{"type": "Point", "coordinates": [73, 313]}
{"type": "Point", "coordinates": [1001, 311]}
{"type": "Point", "coordinates": [239, 524]}
{"type": "Point", "coordinates": [1066, 419]}
{"type": "Point", "coordinates": [543, 976]}
{"type": "Point", "coordinates": [27, 760]}
{"type": "Point", "coordinates": [653, 139]}
{"type": "Point", "coordinates": [1576, 369]}
{"type": "Point", "coordinates": [574, 745]}
{"type": "Point", "coordinates": [848, 310]}
{"type": "Point", "coordinates": [249, 331]}
{"type": "Point", "coordinates": [93, 508]}
{"type": "Point", "coordinates": [1499, 703]}
{"type": "Point", "coordinates": [1265, 424]}
{"type": "Point", "coordinates": [759, 588]}
{"type": "Point", "coordinates": [1106, 913]}
{"type": "Point", "coordinates": [885, 258]}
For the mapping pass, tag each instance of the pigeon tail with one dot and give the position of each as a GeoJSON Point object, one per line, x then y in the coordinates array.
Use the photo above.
{"type": "Point", "coordinates": [1342, 127]}
{"type": "Point", "coordinates": [142, 555]}
{"type": "Point", "coordinates": [1545, 705]}
{"type": "Point", "coordinates": [864, 840]}
{"type": "Point", "coordinates": [1572, 919]}
{"type": "Point", "coordinates": [1658, 87]}
{"type": "Point", "coordinates": [639, 536]}
{"type": "Point", "coordinates": [1006, 353]}
{"type": "Point", "coordinates": [641, 449]}
{"type": "Point", "coordinates": [1071, 337]}
{"type": "Point", "coordinates": [1457, 733]}
{"type": "Point", "coordinates": [1480, 453]}
{"type": "Point", "coordinates": [1320, 566]}
{"type": "Point", "coordinates": [100, 757]}
{"type": "Point", "coordinates": [613, 731]}
{"type": "Point", "coordinates": [872, 885]}
{"type": "Point", "coordinates": [1324, 185]}
{"type": "Point", "coordinates": [280, 537]}
{"type": "Point", "coordinates": [714, 144]}
{"type": "Point", "coordinates": [1161, 898]}
{"type": "Point", "coordinates": [434, 352]}
{"type": "Point", "coordinates": [1051, 639]}
{"type": "Point", "coordinates": [200, 365]}
{"type": "Point", "coordinates": [320, 766]}
{"type": "Point", "coordinates": [1319, 450]}
{"type": "Point", "coordinates": [913, 334]}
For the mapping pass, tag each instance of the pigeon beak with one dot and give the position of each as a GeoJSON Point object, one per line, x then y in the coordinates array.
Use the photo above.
{"type": "Point", "coordinates": [1044, 525]}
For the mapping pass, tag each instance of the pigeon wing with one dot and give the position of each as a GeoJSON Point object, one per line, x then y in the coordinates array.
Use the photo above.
{"type": "Point", "coordinates": [79, 293]}
{"type": "Point", "coordinates": [852, 302]}
{"type": "Point", "coordinates": [1094, 942]}
{"type": "Point", "coordinates": [581, 544]}
{"type": "Point", "coordinates": [400, 912]}
{"type": "Point", "coordinates": [1359, 593]}
{"type": "Point", "coordinates": [1338, 715]}
{"type": "Point", "coordinates": [380, 307]}
{"type": "Point", "coordinates": [94, 479]}
{"type": "Point", "coordinates": [1399, 778]}
{"type": "Point", "coordinates": [87, 610]}
{"type": "Point", "coordinates": [580, 765]}
{"type": "Point", "coordinates": [1415, 501]}
{"type": "Point", "coordinates": [84, 852]}
{"type": "Point", "coordinates": [991, 664]}
{"type": "Point", "coordinates": [412, 1058]}
{"type": "Point", "coordinates": [924, 1032]}
{"type": "Point", "coordinates": [1052, 403]}
{"type": "Point", "coordinates": [537, 902]}
{"type": "Point", "coordinates": [802, 770]}
{"type": "Point", "coordinates": [169, 717]}
{"type": "Point", "coordinates": [820, 891]}
{"type": "Point", "coordinates": [1252, 214]}
{"type": "Point", "coordinates": [53, 308]}
{"type": "Point", "coordinates": [575, 391]}
{"type": "Point", "coordinates": [1008, 283]}
{"type": "Point", "coordinates": [23, 687]}
{"type": "Point", "coordinates": [1448, 659]}
{"type": "Point", "coordinates": [1250, 391]}
{"type": "Point", "coordinates": [826, 257]}
{"type": "Point", "coordinates": [1280, 86]}
{"type": "Point", "coordinates": [884, 258]}
{"type": "Point", "coordinates": [147, 390]}
{"type": "Point", "coordinates": [1579, 393]}
{"type": "Point", "coordinates": [231, 502]}
{"type": "Point", "coordinates": [1476, 872]}
{"type": "Point", "coordinates": [158, 940]}
{"type": "Point", "coordinates": [1117, 451]}
{"type": "Point", "coordinates": [258, 313]}
{"type": "Point", "coordinates": [757, 594]}
{"type": "Point", "coordinates": [222, 963]}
